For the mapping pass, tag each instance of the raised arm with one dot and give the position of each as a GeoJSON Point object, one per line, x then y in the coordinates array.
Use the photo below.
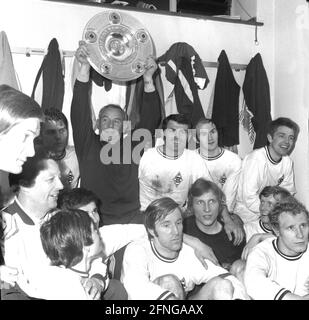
{"type": "Point", "coordinates": [81, 120]}
{"type": "Point", "coordinates": [150, 114]}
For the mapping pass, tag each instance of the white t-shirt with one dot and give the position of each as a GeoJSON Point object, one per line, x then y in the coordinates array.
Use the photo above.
{"type": "Point", "coordinates": [162, 176]}
{"type": "Point", "coordinates": [258, 171]}
{"type": "Point", "coordinates": [225, 170]}
{"type": "Point", "coordinates": [270, 274]}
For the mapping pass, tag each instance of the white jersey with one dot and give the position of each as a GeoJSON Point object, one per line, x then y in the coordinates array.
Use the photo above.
{"type": "Point", "coordinates": [142, 264]}
{"type": "Point", "coordinates": [254, 227]}
{"type": "Point", "coordinates": [69, 169]}
{"type": "Point", "coordinates": [270, 274]}
{"type": "Point", "coordinates": [224, 170]}
{"type": "Point", "coordinates": [162, 176]}
{"type": "Point", "coordinates": [258, 171]}
{"type": "Point", "coordinates": [116, 236]}
{"type": "Point", "coordinates": [23, 250]}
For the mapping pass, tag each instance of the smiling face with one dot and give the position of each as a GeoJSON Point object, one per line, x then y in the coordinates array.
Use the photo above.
{"type": "Point", "coordinates": [54, 136]}
{"type": "Point", "coordinates": [110, 124]}
{"type": "Point", "coordinates": [206, 210]}
{"type": "Point", "coordinates": [44, 192]}
{"type": "Point", "coordinates": [167, 236]}
{"type": "Point", "coordinates": [282, 142]}
{"type": "Point", "coordinates": [17, 144]}
{"type": "Point", "coordinates": [292, 233]}
{"type": "Point", "coordinates": [266, 205]}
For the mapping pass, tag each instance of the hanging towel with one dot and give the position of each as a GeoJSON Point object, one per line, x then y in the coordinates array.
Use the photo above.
{"type": "Point", "coordinates": [53, 79]}
{"type": "Point", "coordinates": [7, 71]}
{"type": "Point", "coordinates": [226, 103]}
{"type": "Point", "coordinates": [185, 70]}
{"type": "Point", "coordinates": [257, 98]}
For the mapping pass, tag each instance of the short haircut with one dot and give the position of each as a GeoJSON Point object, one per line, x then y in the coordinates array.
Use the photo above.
{"type": "Point", "coordinates": [65, 235]}
{"type": "Point", "coordinates": [31, 169]}
{"type": "Point", "coordinates": [113, 106]}
{"type": "Point", "coordinates": [15, 106]}
{"type": "Point", "coordinates": [76, 198]}
{"type": "Point", "coordinates": [277, 192]}
{"type": "Point", "coordinates": [290, 205]}
{"type": "Point", "coordinates": [201, 122]}
{"type": "Point", "coordinates": [201, 186]}
{"type": "Point", "coordinates": [53, 114]}
{"type": "Point", "coordinates": [179, 118]}
{"type": "Point", "coordinates": [286, 122]}
{"type": "Point", "coordinates": [158, 210]}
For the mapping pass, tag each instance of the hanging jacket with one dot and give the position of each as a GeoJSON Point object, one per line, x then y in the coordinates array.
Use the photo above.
{"type": "Point", "coordinates": [226, 103]}
{"type": "Point", "coordinates": [134, 99]}
{"type": "Point", "coordinates": [53, 79]}
{"type": "Point", "coordinates": [7, 71]}
{"type": "Point", "coordinates": [257, 98]}
{"type": "Point", "coordinates": [185, 70]}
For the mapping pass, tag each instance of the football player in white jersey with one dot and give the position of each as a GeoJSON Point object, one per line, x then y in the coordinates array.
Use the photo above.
{"type": "Point", "coordinates": [277, 268]}
{"type": "Point", "coordinates": [267, 166]}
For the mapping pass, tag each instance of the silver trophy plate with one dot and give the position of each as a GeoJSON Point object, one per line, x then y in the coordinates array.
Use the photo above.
{"type": "Point", "coordinates": [118, 45]}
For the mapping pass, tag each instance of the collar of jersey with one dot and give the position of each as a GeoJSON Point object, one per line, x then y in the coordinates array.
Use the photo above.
{"type": "Point", "coordinates": [286, 257]}
{"type": "Point", "coordinates": [80, 273]}
{"type": "Point", "coordinates": [166, 156]}
{"type": "Point", "coordinates": [159, 256]}
{"type": "Point", "coordinates": [264, 228]}
{"type": "Point", "coordinates": [211, 158]}
{"type": "Point", "coordinates": [269, 156]}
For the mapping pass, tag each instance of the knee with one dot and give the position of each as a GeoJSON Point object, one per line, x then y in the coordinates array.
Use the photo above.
{"type": "Point", "coordinates": [171, 283]}
{"type": "Point", "coordinates": [222, 289]}
{"type": "Point", "coordinates": [238, 269]}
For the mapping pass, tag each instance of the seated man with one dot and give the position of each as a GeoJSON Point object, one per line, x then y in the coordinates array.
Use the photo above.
{"type": "Point", "coordinates": [206, 201]}
{"type": "Point", "coordinates": [71, 241]}
{"type": "Point", "coordinates": [277, 268]}
{"type": "Point", "coordinates": [54, 139]}
{"type": "Point", "coordinates": [37, 186]}
{"type": "Point", "coordinates": [259, 230]}
{"type": "Point", "coordinates": [163, 254]}
{"type": "Point", "coordinates": [117, 236]}
{"type": "Point", "coordinates": [170, 169]}
{"type": "Point", "coordinates": [224, 166]}
{"type": "Point", "coordinates": [267, 166]}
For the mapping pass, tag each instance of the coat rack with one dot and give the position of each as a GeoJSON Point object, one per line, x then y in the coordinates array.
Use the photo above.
{"type": "Point", "coordinates": [67, 53]}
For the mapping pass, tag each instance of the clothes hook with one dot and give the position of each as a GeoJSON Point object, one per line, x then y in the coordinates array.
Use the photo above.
{"type": "Point", "coordinates": [256, 36]}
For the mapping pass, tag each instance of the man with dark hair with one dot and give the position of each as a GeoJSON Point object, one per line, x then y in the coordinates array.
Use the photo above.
{"type": "Point", "coordinates": [267, 166]}
{"type": "Point", "coordinates": [157, 267]}
{"type": "Point", "coordinates": [37, 188]}
{"type": "Point", "coordinates": [170, 169]}
{"type": "Point", "coordinates": [54, 139]}
{"type": "Point", "coordinates": [72, 242]}
{"type": "Point", "coordinates": [277, 268]}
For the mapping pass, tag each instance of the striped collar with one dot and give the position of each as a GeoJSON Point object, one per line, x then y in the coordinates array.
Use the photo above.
{"type": "Point", "coordinates": [286, 257]}
{"type": "Point", "coordinates": [264, 228]}
{"type": "Point", "coordinates": [82, 274]}
{"type": "Point", "coordinates": [269, 156]}
{"type": "Point", "coordinates": [168, 157]}
{"type": "Point", "coordinates": [16, 208]}
{"type": "Point", "coordinates": [159, 256]}
{"type": "Point", "coordinates": [212, 158]}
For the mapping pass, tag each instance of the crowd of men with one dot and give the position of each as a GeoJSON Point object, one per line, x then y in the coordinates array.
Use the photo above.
{"type": "Point", "coordinates": [116, 218]}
